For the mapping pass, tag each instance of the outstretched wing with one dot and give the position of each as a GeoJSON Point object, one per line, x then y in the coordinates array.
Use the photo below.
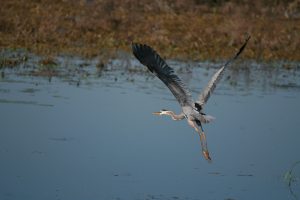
{"type": "Point", "coordinates": [148, 57]}
{"type": "Point", "coordinates": [204, 96]}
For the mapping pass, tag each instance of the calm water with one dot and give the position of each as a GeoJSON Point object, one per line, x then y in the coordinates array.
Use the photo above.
{"type": "Point", "coordinates": [88, 133]}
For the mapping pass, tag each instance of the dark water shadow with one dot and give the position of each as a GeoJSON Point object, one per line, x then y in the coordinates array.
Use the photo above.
{"type": "Point", "coordinates": [9, 101]}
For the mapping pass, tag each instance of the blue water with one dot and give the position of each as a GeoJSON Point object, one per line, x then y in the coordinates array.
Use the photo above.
{"type": "Point", "coordinates": [92, 135]}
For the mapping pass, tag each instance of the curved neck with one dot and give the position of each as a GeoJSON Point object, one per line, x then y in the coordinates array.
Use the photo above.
{"type": "Point", "coordinates": [173, 115]}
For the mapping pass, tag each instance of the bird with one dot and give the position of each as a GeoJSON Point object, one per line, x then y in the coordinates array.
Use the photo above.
{"type": "Point", "coordinates": [192, 111]}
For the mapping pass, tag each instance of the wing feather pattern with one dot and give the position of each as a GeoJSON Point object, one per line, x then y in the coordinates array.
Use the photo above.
{"type": "Point", "coordinates": [204, 96]}
{"type": "Point", "coordinates": [148, 57]}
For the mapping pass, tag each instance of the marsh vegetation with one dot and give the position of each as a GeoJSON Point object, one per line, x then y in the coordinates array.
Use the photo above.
{"type": "Point", "coordinates": [185, 29]}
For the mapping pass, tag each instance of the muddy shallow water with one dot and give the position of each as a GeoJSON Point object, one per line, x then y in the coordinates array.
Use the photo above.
{"type": "Point", "coordinates": [88, 133]}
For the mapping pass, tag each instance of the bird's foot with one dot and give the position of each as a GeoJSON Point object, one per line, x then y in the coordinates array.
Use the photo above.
{"type": "Point", "coordinates": [206, 155]}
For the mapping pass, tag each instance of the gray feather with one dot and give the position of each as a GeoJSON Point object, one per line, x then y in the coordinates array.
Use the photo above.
{"type": "Point", "coordinates": [148, 57]}
{"type": "Point", "coordinates": [204, 96]}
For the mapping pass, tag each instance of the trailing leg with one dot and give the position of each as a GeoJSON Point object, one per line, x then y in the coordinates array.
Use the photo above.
{"type": "Point", "coordinates": [202, 136]}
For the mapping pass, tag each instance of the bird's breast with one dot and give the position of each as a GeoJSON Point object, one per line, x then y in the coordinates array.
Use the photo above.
{"type": "Point", "coordinates": [190, 112]}
{"type": "Point", "coordinates": [187, 110]}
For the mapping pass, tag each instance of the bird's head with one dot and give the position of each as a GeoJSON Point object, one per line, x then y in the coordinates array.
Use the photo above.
{"type": "Point", "coordinates": [161, 112]}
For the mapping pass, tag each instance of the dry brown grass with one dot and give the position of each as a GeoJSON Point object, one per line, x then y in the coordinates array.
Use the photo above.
{"type": "Point", "coordinates": [187, 29]}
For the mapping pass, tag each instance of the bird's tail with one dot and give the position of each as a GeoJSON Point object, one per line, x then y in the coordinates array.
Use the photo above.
{"type": "Point", "coordinates": [207, 118]}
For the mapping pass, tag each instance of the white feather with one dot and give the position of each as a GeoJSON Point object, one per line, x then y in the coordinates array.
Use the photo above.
{"type": "Point", "coordinates": [208, 118]}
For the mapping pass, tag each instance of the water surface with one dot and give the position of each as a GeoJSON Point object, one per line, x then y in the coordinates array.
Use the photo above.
{"type": "Point", "coordinates": [88, 133]}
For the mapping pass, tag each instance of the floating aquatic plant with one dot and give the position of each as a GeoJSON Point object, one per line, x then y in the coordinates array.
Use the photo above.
{"type": "Point", "coordinates": [291, 178]}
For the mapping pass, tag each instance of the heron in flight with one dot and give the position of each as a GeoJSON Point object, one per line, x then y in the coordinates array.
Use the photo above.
{"type": "Point", "coordinates": [192, 111]}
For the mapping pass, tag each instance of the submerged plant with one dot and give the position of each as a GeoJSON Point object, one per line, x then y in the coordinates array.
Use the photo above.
{"type": "Point", "coordinates": [291, 179]}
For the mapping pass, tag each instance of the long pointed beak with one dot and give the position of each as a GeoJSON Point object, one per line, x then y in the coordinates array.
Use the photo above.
{"type": "Point", "coordinates": [156, 113]}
